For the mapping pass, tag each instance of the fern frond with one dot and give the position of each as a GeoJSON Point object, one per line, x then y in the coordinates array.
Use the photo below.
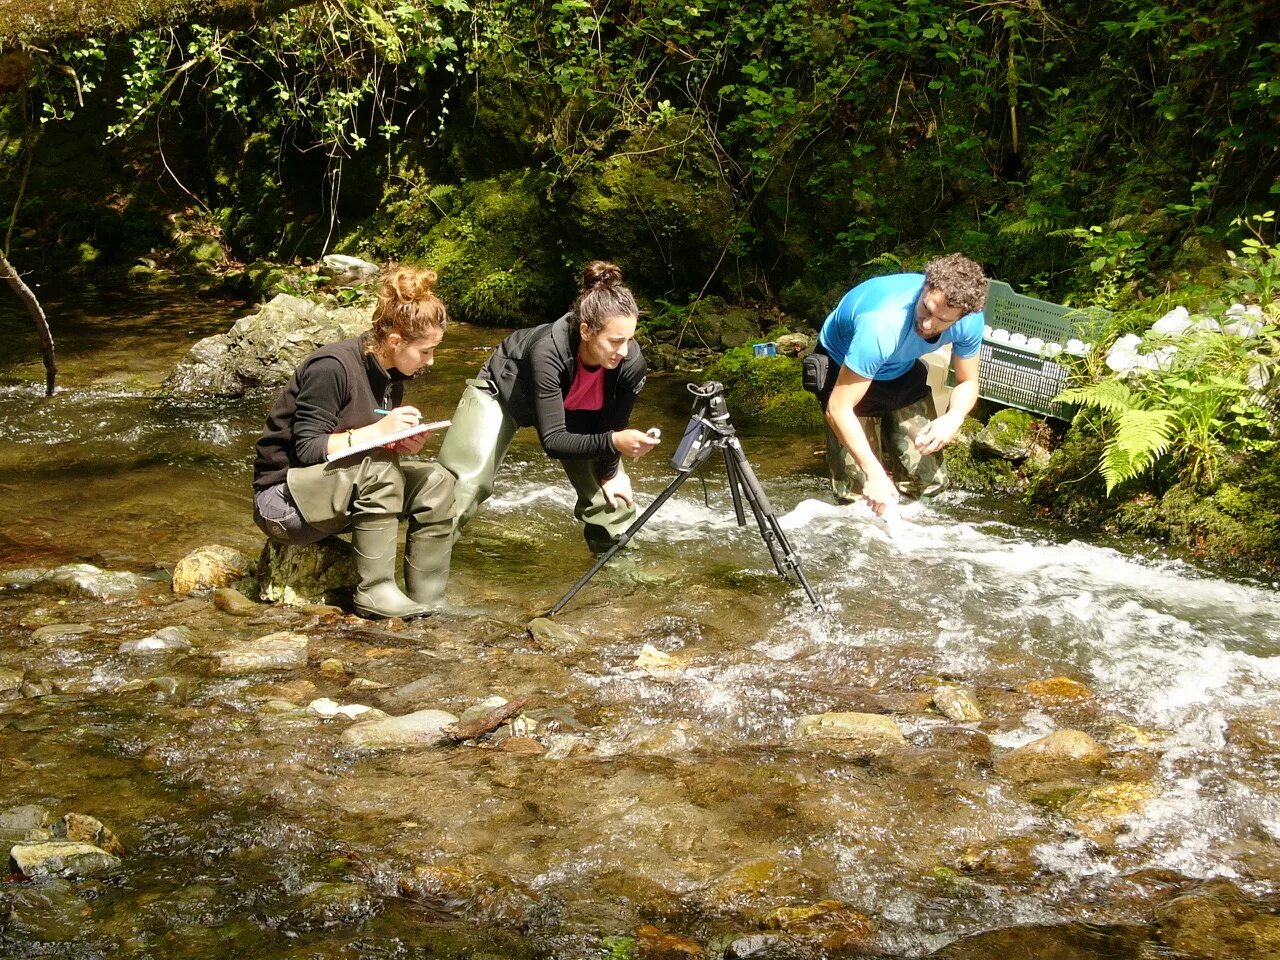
{"type": "Point", "coordinates": [1140, 437]}
{"type": "Point", "coordinates": [1030, 226]}
{"type": "Point", "coordinates": [1110, 396]}
{"type": "Point", "coordinates": [885, 260]}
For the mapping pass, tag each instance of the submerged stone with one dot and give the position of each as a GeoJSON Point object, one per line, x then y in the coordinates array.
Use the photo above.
{"type": "Point", "coordinates": [1047, 756]}
{"type": "Point", "coordinates": [164, 640]}
{"type": "Point", "coordinates": [653, 943]}
{"type": "Point", "coordinates": [324, 905]}
{"type": "Point", "coordinates": [86, 580]}
{"type": "Point", "coordinates": [423, 728]}
{"type": "Point", "coordinates": [552, 637]}
{"type": "Point", "coordinates": [59, 630]}
{"type": "Point", "coordinates": [867, 728]}
{"type": "Point", "coordinates": [276, 651]}
{"type": "Point", "coordinates": [11, 680]}
{"type": "Point", "coordinates": [47, 858]}
{"type": "Point", "coordinates": [209, 568]}
{"type": "Point", "coordinates": [234, 603]}
{"type": "Point", "coordinates": [1058, 690]}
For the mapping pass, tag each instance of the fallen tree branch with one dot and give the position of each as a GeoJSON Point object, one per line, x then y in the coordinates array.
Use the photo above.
{"type": "Point", "coordinates": [10, 276]}
{"type": "Point", "coordinates": [458, 732]}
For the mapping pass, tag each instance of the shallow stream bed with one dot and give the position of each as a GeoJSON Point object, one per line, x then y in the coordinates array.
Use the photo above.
{"type": "Point", "coordinates": [660, 802]}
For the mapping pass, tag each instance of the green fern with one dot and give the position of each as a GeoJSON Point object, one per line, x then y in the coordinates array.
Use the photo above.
{"type": "Point", "coordinates": [1110, 396]}
{"type": "Point", "coordinates": [1141, 437]}
{"type": "Point", "coordinates": [1138, 437]}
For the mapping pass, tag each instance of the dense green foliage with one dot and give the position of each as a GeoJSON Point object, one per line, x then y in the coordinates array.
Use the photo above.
{"type": "Point", "coordinates": [763, 150]}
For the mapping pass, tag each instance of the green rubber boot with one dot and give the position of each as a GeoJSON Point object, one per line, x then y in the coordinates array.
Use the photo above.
{"type": "Point", "coordinates": [426, 563]}
{"type": "Point", "coordinates": [373, 550]}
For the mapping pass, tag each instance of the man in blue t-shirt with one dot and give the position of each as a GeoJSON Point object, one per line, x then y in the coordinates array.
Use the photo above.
{"type": "Point", "coordinates": [877, 397]}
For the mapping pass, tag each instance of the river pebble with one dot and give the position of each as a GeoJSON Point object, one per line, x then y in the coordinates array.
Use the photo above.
{"type": "Point", "coordinates": [864, 727]}
{"type": "Point", "coordinates": [234, 603]}
{"type": "Point", "coordinates": [956, 705]}
{"type": "Point", "coordinates": [422, 728]}
{"type": "Point", "coordinates": [276, 651]}
{"type": "Point", "coordinates": [164, 640]}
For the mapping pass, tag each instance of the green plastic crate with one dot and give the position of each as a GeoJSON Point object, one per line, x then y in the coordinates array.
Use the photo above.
{"type": "Point", "coordinates": [1021, 378]}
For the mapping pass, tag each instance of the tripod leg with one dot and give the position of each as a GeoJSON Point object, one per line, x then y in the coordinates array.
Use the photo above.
{"type": "Point", "coordinates": [734, 490]}
{"type": "Point", "coordinates": [625, 537]}
{"type": "Point", "coordinates": [775, 538]}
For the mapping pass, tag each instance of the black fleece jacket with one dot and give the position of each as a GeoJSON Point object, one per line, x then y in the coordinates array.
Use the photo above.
{"type": "Point", "coordinates": [533, 370]}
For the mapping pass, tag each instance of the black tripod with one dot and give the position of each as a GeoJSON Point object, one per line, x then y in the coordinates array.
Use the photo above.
{"type": "Point", "coordinates": [709, 430]}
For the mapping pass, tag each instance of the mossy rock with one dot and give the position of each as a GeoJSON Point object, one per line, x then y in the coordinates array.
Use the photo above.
{"type": "Point", "coordinates": [766, 391]}
{"type": "Point", "coordinates": [658, 206]}
{"type": "Point", "coordinates": [1009, 434]}
{"type": "Point", "coordinates": [493, 243]}
{"type": "Point", "coordinates": [969, 469]}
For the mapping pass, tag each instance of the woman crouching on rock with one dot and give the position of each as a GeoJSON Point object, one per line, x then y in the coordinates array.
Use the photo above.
{"type": "Point", "coordinates": [577, 380]}
{"type": "Point", "coordinates": [305, 489]}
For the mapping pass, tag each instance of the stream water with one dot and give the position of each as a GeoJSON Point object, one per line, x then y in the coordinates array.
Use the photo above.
{"type": "Point", "coordinates": [637, 806]}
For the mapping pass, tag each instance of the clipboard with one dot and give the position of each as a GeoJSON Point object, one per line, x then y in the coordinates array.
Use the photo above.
{"type": "Point", "coordinates": [404, 434]}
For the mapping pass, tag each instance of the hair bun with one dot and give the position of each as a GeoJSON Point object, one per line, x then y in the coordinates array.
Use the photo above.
{"type": "Point", "coordinates": [407, 284]}
{"type": "Point", "coordinates": [600, 273]}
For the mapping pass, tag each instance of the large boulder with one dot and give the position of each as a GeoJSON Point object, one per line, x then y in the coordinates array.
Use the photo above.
{"type": "Point", "coordinates": [311, 574]}
{"type": "Point", "coordinates": [260, 351]}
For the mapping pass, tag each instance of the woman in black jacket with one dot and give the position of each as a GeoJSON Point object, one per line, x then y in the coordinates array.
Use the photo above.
{"type": "Point", "coordinates": [322, 465]}
{"type": "Point", "coordinates": [577, 380]}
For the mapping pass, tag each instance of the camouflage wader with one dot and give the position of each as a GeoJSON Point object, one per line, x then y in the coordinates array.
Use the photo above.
{"type": "Point", "coordinates": [891, 439]}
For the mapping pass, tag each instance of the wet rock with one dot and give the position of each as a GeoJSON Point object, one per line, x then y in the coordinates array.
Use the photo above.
{"type": "Point", "coordinates": [1011, 858]}
{"type": "Point", "coordinates": [276, 651]}
{"type": "Point", "coordinates": [90, 582]}
{"type": "Point", "coordinates": [261, 351]}
{"type": "Point", "coordinates": [317, 573]}
{"type": "Point", "coordinates": [1048, 756]}
{"type": "Point", "coordinates": [28, 822]}
{"type": "Point", "coordinates": [483, 708]}
{"type": "Point", "coordinates": [234, 603]}
{"type": "Point", "coordinates": [552, 637]}
{"type": "Point", "coordinates": [1065, 941]}
{"type": "Point", "coordinates": [324, 707]}
{"type": "Point", "coordinates": [419, 729]}
{"type": "Point", "coordinates": [365, 684]}
{"type": "Point", "coordinates": [522, 746]}
{"type": "Point", "coordinates": [84, 829]}
{"type": "Point", "coordinates": [655, 944]}
{"type": "Point", "coordinates": [411, 696]}
{"type": "Point", "coordinates": [33, 688]}
{"type": "Point", "coordinates": [1100, 811]}
{"type": "Point", "coordinates": [196, 905]}
{"type": "Point", "coordinates": [47, 858]}
{"type": "Point", "coordinates": [56, 631]}
{"type": "Point", "coordinates": [956, 705]}
{"type": "Point", "coordinates": [1218, 920]}
{"type": "Point", "coordinates": [11, 680]}
{"type": "Point", "coordinates": [1058, 690]}
{"type": "Point", "coordinates": [959, 740]}
{"type": "Point", "coordinates": [209, 568]}
{"type": "Point", "coordinates": [654, 661]}
{"type": "Point", "coordinates": [299, 690]}
{"type": "Point", "coordinates": [333, 667]}
{"type": "Point", "coordinates": [164, 640]}
{"type": "Point", "coordinates": [763, 946]}
{"type": "Point", "coordinates": [324, 905]}
{"type": "Point", "coordinates": [168, 686]}
{"type": "Point", "coordinates": [24, 577]}
{"type": "Point", "coordinates": [866, 728]}
{"type": "Point", "coordinates": [828, 924]}
{"type": "Point", "coordinates": [49, 912]}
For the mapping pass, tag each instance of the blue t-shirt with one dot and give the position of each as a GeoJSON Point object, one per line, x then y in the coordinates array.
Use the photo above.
{"type": "Point", "coordinates": [872, 330]}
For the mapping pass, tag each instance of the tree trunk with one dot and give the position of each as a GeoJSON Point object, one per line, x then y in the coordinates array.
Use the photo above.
{"type": "Point", "coordinates": [10, 276]}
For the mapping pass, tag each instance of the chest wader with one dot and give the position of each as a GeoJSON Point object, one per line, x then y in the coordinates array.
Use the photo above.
{"type": "Point", "coordinates": [477, 443]}
{"type": "Point", "coordinates": [891, 413]}
{"type": "Point", "coordinates": [368, 496]}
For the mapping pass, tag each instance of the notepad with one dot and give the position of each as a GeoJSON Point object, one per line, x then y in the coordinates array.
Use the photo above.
{"type": "Point", "coordinates": [374, 444]}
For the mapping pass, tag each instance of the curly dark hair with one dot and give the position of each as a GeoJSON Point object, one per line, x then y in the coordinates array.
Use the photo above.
{"type": "Point", "coordinates": [960, 279]}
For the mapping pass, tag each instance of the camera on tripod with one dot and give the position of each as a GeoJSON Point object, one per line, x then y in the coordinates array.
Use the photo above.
{"type": "Point", "coordinates": [709, 431]}
{"type": "Point", "coordinates": [709, 420]}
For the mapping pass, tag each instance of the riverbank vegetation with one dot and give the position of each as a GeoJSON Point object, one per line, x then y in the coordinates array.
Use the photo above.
{"type": "Point", "coordinates": [763, 155]}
